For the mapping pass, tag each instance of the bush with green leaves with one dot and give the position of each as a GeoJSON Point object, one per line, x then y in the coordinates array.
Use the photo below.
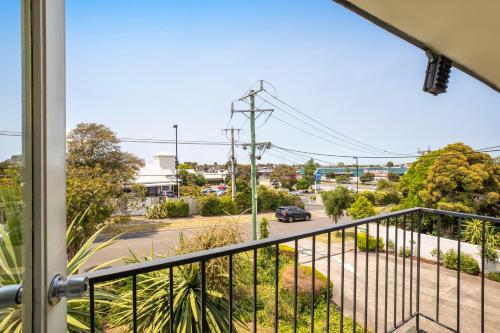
{"type": "Point", "coordinates": [168, 209]}
{"type": "Point", "coordinates": [210, 205]}
{"type": "Point", "coordinates": [406, 252]}
{"type": "Point", "coordinates": [473, 233]}
{"type": "Point", "coordinates": [468, 264]}
{"type": "Point", "coordinates": [336, 202]}
{"type": "Point", "coordinates": [493, 276]}
{"type": "Point", "coordinates": [372, 243]}
{"type": "Point", "coordinates": [361, 208]}
{"type": "Point", "coordinates": [368, 195]}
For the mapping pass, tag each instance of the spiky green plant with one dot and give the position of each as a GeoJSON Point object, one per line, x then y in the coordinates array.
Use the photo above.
{"type": "Point", "coordinates": [11, 271]}
{"type": "Point", "coordinates": [153, 302]}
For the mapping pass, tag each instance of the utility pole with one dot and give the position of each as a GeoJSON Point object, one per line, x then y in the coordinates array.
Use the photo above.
{"type": "Point", "coordinates": [357, 175]}
{"type": "Point", "coordinates": [253, 173]}
{"type": "Point", "coordinates": [233, 160]}
{"type": "Point", "coordinates": [176, 164]}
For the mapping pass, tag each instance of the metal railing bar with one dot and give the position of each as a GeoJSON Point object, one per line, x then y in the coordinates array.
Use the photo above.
{"type": "Point", "coordinates": [438, 265]}
{"type": "Point", "coordinates": [328, 281]}
{"type": "Point", "coordinates": [437, 322]}
{"type": "Point", "coordinates": [395, 298]}
{"type": "Point", "coordinates": [203, 297]}
{"type": "Point", "coordinates": [255, 290]}
{"type": "Point", "coordinates": [483, 252]}
{"type": "Point", "coordinates": [134, 304]}
{"type": "Point", "coordinates": [313, 278]}
{"type": "Point", "coordinates": [386, 272]}
{"type": "Point", "coordinates": [92, 307]}
{"type": "Point", "coordinates": [367, 247]}
{"type": "Point", "coordinates": [420, 216]}
{"type": "Point", "coordinates": [295, 277]}
{"type": "Point", "coordinates": [113, 273]}
{"type": "Point", "coordinates": [458, 271]}
{"type": "Point", "coordinates": [230, 282]}
{"type": "Point", "coordinates": [411, 262]}
{"type": "Point", "coordinates": [377, 263]}
{"type": "Point", "coordinates": [354, 298]}
{"type": "Point", "coordinates": [171, 297]}
{"type": "Point", "coordinates": [460, 215]}
{"type": "Point", "coordinates": [404, 270]}
{"type": "Point", "coordinates": [342, 284]}
{"type": "Point", "coordinates": [276, 290]}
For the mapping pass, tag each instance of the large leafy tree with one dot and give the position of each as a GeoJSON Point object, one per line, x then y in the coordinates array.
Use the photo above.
{"type": "Point", "coordinates": [454, 178]}
{"type": "Point", "coordinates": [284, 175]}
{"type": "Point", "coordinates": [361, 208]}
{"type": "Point", "coordinates": [336, 202]}
{"type": "Point", "coordinates": [100, 178]}
{"type": "Point", "coordinates": [309, 170]}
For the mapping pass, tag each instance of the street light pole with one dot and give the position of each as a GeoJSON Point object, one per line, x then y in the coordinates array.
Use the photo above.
{"type": "Point", "coordinates": [176, 164]}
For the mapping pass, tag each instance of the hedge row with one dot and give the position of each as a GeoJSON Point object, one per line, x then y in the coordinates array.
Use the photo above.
{"type": "Point", "coordinates": [168, 209]}
{"type": "Point", "coordinates": [268, 200]}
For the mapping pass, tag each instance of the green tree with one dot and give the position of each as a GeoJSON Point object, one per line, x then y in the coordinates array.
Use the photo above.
{"type": "Point", "coordinates": [361, 208]}
{"type": "Point", "coordinates": [367, 177]}
{"type": "Point", "coordinates": [336, 202]}
{"type": "Point", "coordinates": [390, 164]}
{"type": "Point", "coordinates": [393, 177]}
{"type": "Point", "coordinates": [461, 179]}
{"type": "Point", "coordinates": [284, 175]}
{"type": "Point", "coordinates": [309, 170]}
{"type": "Point", "coordinates": [100, 178]}
{"type": "Point", "coordinates": [343, 179]}
{"type": "Point", "coordinates": [302, 184]}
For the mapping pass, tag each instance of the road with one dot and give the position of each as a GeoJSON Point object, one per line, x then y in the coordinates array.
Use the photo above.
{"type": "Point", "coordinates": [164, 241]}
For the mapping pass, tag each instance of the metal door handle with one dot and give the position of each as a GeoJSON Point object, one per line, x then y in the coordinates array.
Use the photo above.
{"type": "Point", "coordinates": [72, 288]}
{"type": "Point", "coordinates": [11, 295]}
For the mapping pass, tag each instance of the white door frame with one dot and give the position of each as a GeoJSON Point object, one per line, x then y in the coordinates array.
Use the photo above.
{"type": "Point", "coordinates": [44, 142]}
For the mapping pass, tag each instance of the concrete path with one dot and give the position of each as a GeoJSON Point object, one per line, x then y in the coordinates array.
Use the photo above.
{"type": "Point", "coordinates": [470, 287]}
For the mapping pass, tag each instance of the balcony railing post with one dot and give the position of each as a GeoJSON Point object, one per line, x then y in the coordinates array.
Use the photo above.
{"type": "Point", "coordinates": [411, 262]}
{"type": "Point", "coordinates": [386, 272]}
{"type": "Point", "coordinates": [438, 265]}
{"type": "Point", "coordinates": [230, 282]}
{"type": "Point", "coordinates": [134, 303]}
{"type": "Point", "coordinates": [377, 276]}
{"type": "Point", "coordinates": [255, 290]}
{"type": "Point", "coordinates": [395, 295]}
{"type": "Point", "coordinates": [419, 246]}
{"type": "Point", "coordinates": [328, 281]}
{"type": "Point", "coordinates": [313, 278]}
{"type": "Point", "coordinates": [367, 247]}
{"type": "Point", "coordinates": [483, 253]}
{"type": "Point", "coordinates": [355, 278]}
{"type": "Point", "coordinates": [342, 273]}
{"type": "Point", "coordinates": [404, 271]}
{"type": "Point", "coordinates": [459, 232]}
{"type": "Point", "coordinates": [276, 281]}
{"type": "Point", "coordinates": [295, 277]}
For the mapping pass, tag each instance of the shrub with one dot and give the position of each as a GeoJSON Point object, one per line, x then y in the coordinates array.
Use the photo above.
{"type": "Point", "coordinates": [494, 276]}
{"type": "Point", "coordinates": [168, 209]}
{"type": "Point", "coordinates": [434, 254]}
{"type": "Point", "coordinates": [312, 197]}
{"type": "Point", "coordinates": [361, 208]}
{"type": "Point", "coordinates": [372, 243]}
{"type": "Point", "coordinates": [387, 197]}
{"type": "Point", "coordinates": [304, 281]}
{"type": "Point", "coordinates": [406, 252]}
{"type": "Point", "coordinates": [210, 205]}
{"type": "Point", "coordinates": [286, 251]}
{"type": "Point", "coordinates": [390, 245]}
{"type": "Point", "coordinates": [468, 264]}
{"type": "Point", "coordinates": [264, 228]}
{"type": "Point", "coordinates": [368, 195]}
{"type": "Point", "coordinates": [227, 205]}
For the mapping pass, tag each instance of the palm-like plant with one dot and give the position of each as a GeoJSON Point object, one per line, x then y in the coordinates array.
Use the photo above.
{"type": "Point", "coordinates": [153, 302]}
{"type": "Point", "coordinates": [11, 270]}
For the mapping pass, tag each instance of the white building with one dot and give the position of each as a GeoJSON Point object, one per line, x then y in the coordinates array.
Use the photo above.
{"type": "Point", "coordinates": [159, 175]}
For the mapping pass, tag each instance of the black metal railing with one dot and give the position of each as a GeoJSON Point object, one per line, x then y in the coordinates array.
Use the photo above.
{"type": "Point", "coordinates": [405, 289]}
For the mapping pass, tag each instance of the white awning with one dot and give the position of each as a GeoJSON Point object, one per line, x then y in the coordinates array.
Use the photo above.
{"type": "Point", "coordinates": [466, 32]}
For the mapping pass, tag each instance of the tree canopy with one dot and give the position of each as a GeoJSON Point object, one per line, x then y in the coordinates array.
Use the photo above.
{"type": "Point", "coordinates": [284, 175]}
{"type": "Point", "coordinates": [453, 178]}
{"type": "Point", "coordinates": [309, 170]}
{"type": "Point", "coordinates": [336, 201]}
{"type": "Point", "coordinates": [367, 177]}
{"type": "Point", "coordinates": [361, 208]}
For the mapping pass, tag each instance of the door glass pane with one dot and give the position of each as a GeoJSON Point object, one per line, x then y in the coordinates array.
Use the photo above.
{"type": "Point", "coordinates": [11, 159]}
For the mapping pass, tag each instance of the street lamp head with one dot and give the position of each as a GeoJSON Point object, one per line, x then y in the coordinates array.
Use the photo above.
{"type": "Point", "coordinates": [175, 126]}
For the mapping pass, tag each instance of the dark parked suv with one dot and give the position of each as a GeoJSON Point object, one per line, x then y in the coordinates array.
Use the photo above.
{"type": "Point", "coordinates": [292, 213]}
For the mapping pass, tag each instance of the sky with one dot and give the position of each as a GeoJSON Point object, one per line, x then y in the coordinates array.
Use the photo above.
{"type": "Point", "coordinates": [140, 67]}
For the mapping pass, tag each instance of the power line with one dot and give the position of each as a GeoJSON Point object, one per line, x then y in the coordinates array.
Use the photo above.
{"type": "Point", "coordinates": [382, 157]}
{"type": "Point", "coordinates": [327, 127]}
{"type": "Point", "coordinates": [358, 147]}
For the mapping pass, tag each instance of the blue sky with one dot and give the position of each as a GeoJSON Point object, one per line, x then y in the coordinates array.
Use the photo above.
{"type": "Point", "coordinates": [142, 66]}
